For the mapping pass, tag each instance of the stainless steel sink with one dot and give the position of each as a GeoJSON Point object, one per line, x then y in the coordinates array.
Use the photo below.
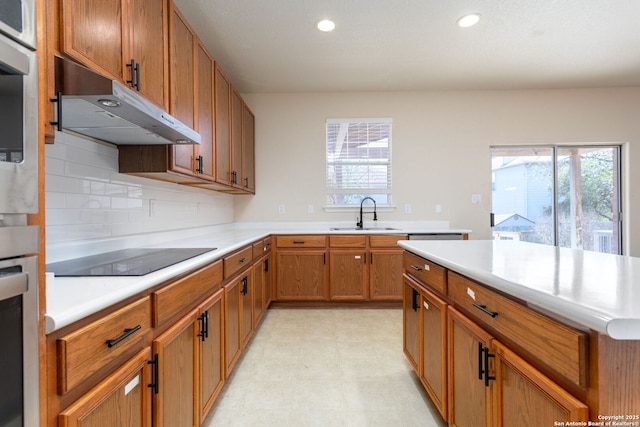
{"type": "Point", "coordinates": [361, 229]}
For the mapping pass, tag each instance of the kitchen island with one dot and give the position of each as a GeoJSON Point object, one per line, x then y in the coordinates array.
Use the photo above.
{"type": "Point", "coordinates": [558, 330]}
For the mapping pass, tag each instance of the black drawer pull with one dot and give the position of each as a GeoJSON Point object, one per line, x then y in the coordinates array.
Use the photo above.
{"type": "Point", "coordinates": [298, 242]}
{"type": "Point", "coordinates": [242, 260]}
{"type": "Point", "coordinates": [155, 385]}
{"type": "Point", "coordinates": [483, 308]}
{"type": "Point", "coordinates": [416, 268]}
{"type": "Point", "coordinates": [127, 332]}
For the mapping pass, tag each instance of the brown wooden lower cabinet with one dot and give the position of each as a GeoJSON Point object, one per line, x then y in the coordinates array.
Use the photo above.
{"type": "Point", "coordinates": [210, 339]}
{"type": "Point", "coordinates": [469, 397]}
{"type": "Point", "coordinates": [524, 396]}
{"type": "Point", "coordinates": [411, 324]}
{"type": "Point", "coordinates": [174, 352]}
{"type": "Point", "coordinates": [302, 275]}
{"type": "Point", "coordinates": [232, 323]}
{"type": "Point", "coordinates": [348, 274]}
{"type": "Point", "coordinates": [122, 399]}
{"type": "Point", "coordinates": [385, 274]}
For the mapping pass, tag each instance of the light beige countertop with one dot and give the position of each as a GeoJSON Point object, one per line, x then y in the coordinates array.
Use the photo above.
{"type": "Point", "coordinates": [596, 290]}
{"type": "Point", "coordinates": [69, 299]}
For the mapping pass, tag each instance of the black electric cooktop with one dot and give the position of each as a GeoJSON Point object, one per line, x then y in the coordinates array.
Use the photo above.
{"type": "Point", "coordinates": [125, 262]}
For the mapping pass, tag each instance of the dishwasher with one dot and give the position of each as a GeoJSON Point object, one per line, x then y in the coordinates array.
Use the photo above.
{"type": "Point", "coordinates": [436, 236]}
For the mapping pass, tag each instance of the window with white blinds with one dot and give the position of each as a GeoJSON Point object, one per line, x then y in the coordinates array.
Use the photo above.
{"type": "Point", "coordinates": [358, 161]}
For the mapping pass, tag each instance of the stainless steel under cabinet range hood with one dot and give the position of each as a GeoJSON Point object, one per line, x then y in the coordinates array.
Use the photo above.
{"type": "Point", "coordinates": [91, 104]}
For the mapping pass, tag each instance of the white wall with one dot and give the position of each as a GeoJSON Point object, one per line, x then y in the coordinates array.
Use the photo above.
{"type": "Point", "coordinates": [440, 147]}
{"type": "Point", "coordinates": [86, 197]}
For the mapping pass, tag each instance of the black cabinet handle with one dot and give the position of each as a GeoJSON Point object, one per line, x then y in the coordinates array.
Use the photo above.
{"type": "Point", "coordinates": [58, 121]}
{"type": "Point", "coordinates": [483, 308]}
{"type": "Point", "coordinates": [266, 265]}
{"type": "Point", "coordinates": [298, 242]}
{"type": "Point", "coordinates": [416, 268]}
{"type": "Point", "coordinates": [246, 182]}
{"type": "Point", "coordinates": [487, 377]}
{"type": "Point", "coordinates": [414, 300]}
{"type": "Point", "coordinates": [155, 384]}
{"type": "Point", "coordinates": [203, 326]}
{"type": "Point", "coordinates": [132, 70]}
{"type": "Point", "coordinates": [242, 260]}
{"type": "Point", "coordinates": [483, 364]}
{"type": "Point", "coordinates": [127, 332]}
{"type": "Point", "coordinates": [200, 161]}
{"type": "Point", "coordinates": [245, 283]}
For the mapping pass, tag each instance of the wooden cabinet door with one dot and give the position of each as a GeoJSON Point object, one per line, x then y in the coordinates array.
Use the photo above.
{"type": "Point", "coordinates": [174, 404]}
{"type": "Point", "coordinates": [411, 323]}
{"type": "Point", "coordinates": [181, 77]}
{"type": "Point", "coordinates": [524, 396]}
{"type": "Point", "coordinates": [385, 274]}
{"type": "Point", "coordinates": [92, 33]}
{"type": "Point", "coordinates": [469, 397]}
{"type": "Point", "coordinates": [347, 274]}
{"type": "Point", "coordinates": [268, 281]}
{"type": "Point", "coordinates": [259, 280]}
{"type": "Point", "coordinates": [223, 127]}
{"type": "Point", "coordinates": [248, 150]}
{"type": "Point", "coordinates": [205, 155]}
{"type": "Point", "coordinates": [211, 351]}
{"type": "Point", "coordinates": [232, 321]}
{"type": "Point", "coordinates": [301, 275]}
{"type": "Point", "coordinates": [122, 399]}
{"type": "Point", "coordinates": [434, 349]}
{"type": "Point", "coordinates": [149, 48]}
{"type": "Point", "coordinates": [247, 292]}
{"type": "Point", "coordinates": [236, 139]}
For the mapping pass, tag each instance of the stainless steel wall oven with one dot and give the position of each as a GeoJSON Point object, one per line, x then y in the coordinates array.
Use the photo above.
{"type": "Point", "coordinates": [19, 370]}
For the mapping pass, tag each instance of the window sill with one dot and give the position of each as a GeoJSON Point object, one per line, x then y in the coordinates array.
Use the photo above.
{"type": "Point", "coordinates": [367, 208]}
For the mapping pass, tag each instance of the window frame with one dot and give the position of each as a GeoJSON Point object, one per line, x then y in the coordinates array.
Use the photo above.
{"type": "Point", "coordinates": [368, 191]}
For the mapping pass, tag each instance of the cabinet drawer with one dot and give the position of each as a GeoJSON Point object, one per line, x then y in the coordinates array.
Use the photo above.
{"type": "Point", "coordinates": [86, 350]}
{"type": "Point", "coordinates": [261, 247]}
{"type": "Point", "coordinates": [553, 344]}
{"type": "Point", "coordinates": [179, 296]}
{"type": "Point", "coordinates": [237, 261]}
{"type": "Point", "coordinates": [348, 241]}
{"type": "Point", "coordinates": [427, 272]}
{"type": "Point", "coordinates": [301, 241]}
{"type": "Point", "coordinates": [376, 241]}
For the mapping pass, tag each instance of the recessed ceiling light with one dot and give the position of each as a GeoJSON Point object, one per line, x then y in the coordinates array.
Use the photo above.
{"type": "Point", "coordinates": [325, 25]}
{"type": "Point", "coordinates": [468, 20]}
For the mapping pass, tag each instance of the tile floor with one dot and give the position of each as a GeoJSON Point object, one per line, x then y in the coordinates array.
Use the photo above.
{"type": "Point", "coordinates": [325, 367]}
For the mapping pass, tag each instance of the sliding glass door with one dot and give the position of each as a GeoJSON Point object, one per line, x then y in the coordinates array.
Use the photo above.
{"type": "Point", "coordinates": [567, 196]}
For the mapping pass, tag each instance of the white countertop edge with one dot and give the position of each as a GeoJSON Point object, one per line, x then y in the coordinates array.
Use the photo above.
{"type": "Point", "coordinates": [605, 323]}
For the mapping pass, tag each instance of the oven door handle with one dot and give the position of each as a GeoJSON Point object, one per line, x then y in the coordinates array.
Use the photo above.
{"type": "Point", "coordinates": [12, 285]}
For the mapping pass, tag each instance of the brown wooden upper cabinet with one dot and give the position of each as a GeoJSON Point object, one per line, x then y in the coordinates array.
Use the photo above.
{"type": "Point", "coordinates": [123, 39]}
{"type": "Point", "coordinates": [223, 128]}
{"type": "Point", "coordinates": [248, 150]}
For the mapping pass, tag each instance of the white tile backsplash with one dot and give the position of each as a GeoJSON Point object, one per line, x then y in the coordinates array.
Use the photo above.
{"type": "Point", "coordinates": [86, 197]}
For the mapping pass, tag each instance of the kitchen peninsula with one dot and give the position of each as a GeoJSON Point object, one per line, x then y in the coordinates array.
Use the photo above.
{"type": "Point", "coordinates": [556, 331]}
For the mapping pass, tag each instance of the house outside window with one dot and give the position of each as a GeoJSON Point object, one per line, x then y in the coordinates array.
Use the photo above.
{"type": "Point", "coordinates": [358, 160]}
{"type": "Point", "coordinates": [567, 196]}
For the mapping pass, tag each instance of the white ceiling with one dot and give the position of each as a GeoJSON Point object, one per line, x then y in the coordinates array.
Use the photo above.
{"type": "Point", "coordinates": [388, 45]}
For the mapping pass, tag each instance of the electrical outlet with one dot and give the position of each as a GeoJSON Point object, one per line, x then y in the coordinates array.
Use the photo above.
{"type": "Point", "coordinates": [475, 199]}
{"type": "Point", "coordinates": [438, 208]}
{"type": "Point", "coordinates": [309, 209]}
{"type": "Point", "coordinates": [407, 208]}
{"type": "Point", "coordinates": [280, 208]}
